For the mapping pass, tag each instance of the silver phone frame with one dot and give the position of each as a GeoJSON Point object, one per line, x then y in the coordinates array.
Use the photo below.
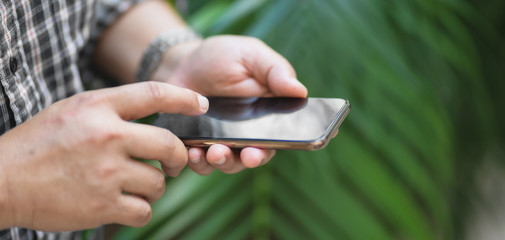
{"type": "Point", "coordinates": [311, 145]}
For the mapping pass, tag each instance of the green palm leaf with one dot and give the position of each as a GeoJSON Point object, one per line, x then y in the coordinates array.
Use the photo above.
{"type": "Point", "coordinates": [391, 172]}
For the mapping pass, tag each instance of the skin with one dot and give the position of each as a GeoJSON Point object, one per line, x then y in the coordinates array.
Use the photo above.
{"type": "Point", "coordinates": [234, 66]}
{"type": "Point", "coordinates": [80, 150]}
{"type": "Point", "coordinates": [216, 66]}
{"type": "Point", "coordinates": [75, 162]}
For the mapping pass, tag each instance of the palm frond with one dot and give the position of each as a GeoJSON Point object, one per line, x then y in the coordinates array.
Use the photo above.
{"type": "Point", "coordinates": [411, 70]}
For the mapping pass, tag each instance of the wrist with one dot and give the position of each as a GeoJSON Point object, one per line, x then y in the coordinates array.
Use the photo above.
{"type": "Point", "coordinates": [155, 52]}
{"type": "Point", "coordinates": [172, 60]}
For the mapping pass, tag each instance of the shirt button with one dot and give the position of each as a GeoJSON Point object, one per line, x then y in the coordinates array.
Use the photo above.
{"type": "Point", "coordinates": [13, 64]}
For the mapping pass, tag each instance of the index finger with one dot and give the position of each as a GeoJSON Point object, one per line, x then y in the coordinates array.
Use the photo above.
{"type": "Point", "coordinates": [138, 100]}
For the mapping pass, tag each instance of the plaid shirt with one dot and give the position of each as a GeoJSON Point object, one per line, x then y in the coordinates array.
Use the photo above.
{"type": "Point", "coordinates": [42, 45]}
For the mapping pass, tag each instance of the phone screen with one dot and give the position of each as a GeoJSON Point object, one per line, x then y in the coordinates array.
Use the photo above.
{"type": "Point", "coordinates": [260, 119]}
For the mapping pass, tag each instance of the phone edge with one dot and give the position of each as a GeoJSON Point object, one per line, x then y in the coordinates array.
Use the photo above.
{"type": "Point", "coordinates": [310, 145]}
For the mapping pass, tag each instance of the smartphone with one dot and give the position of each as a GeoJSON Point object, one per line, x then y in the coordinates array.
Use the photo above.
{"type": "Point", "coordinates": [272, 123]}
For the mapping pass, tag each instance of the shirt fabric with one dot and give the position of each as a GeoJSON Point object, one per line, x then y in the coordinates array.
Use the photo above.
{"type": "Point", "coordinates": [45, 45]}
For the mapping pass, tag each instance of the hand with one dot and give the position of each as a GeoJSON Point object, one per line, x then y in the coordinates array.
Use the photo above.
{"type": "Point", "coordinates": [229, 66]}
{"type": "Point", "coordinates": [71, 166]}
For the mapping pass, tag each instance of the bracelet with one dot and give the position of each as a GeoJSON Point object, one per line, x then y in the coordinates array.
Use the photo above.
{"type": "Point", "coordinates": [153, 54]}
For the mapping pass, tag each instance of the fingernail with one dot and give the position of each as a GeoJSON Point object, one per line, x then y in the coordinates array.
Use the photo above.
{"type": "Point", "coordinates": [221, 161]}
{"type": "Point", "coordinates": [195, 159]}
{"type": "Point", "coordinates": [194, 155]}
{"type": "Point", "coordinates": [204, 103]}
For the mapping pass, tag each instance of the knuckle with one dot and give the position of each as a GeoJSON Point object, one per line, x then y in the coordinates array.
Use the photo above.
{"type": "Point", "coordinates": [159, 185]}
{"type": "Point", "coordinates": [106, 135]}
{"type": "Point", "coordinates": [90, 98]}
{"type": "Point", "coordinates": [169, 141]}
{"type": "Point", "coordinates": [174, 148]}
{"type": "Point", "coordinates": [72, 109]}
{"type": "Point", "coordinates": [60, 119]}
{"type": "Point", "coordinates": [98, 135]}
{"type": "Point", "coordinates": [79, 112]}
{"type": "Point", "coordinates": [98, 206]}
{"type": "Point", "coordinates": [106, 171]}
{"type": "Point", "coordinates": [154, 91]}
{"type": "Point", "coordinates": [182, 156]}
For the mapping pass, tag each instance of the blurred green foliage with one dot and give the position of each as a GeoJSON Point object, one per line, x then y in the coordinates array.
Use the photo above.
{"type": "Point", "coordinates": [425, 81]}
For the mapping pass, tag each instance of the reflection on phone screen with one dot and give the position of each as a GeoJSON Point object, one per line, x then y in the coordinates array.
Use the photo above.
{"type": "Point", "coordinates": [284, 119]}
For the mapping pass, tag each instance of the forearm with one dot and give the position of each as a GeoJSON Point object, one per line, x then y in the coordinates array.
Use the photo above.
{"type": "Point", "coordinates": [5, 219]}
{"type": "Point", "coordinates": [121, 46]}
{"type": "Point", "coordinates": [7, 209]}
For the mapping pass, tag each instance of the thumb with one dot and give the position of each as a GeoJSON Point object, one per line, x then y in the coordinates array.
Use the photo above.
{"type": "Point", "coordinates": [283, 84]}
{"type": "Point", "coordinates": [274, 71]}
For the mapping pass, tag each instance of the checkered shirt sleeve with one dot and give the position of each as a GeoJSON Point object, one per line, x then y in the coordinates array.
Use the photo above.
{"type": "Point", "coordinates": [107, 11]}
